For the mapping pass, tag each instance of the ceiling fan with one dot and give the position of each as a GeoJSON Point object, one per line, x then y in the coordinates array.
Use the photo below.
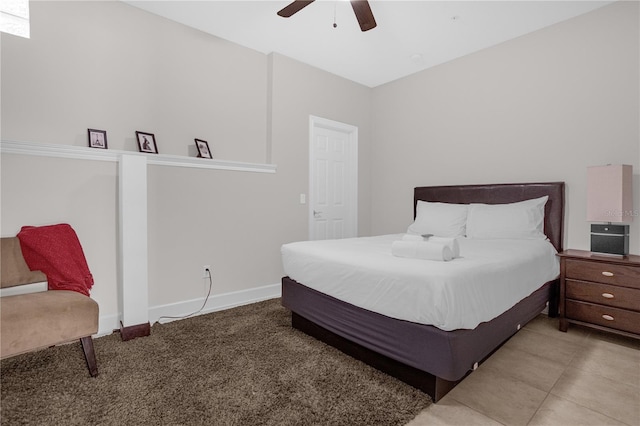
{"type": "Point", "coordinates": [360, 7]}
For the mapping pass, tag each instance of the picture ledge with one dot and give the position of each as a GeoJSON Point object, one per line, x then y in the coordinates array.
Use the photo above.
{"type": "Point", "coordinates": [86, 153]}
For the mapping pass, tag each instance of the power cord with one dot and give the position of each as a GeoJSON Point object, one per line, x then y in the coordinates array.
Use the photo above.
{"type": "Point", "coordinates": [201, 308]}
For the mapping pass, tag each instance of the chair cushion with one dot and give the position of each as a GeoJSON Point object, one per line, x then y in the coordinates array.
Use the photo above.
{"type": "Point", "coordinates": [39, 320]}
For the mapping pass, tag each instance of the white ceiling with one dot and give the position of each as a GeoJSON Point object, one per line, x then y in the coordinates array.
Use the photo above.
{"type": "Point", "coordinates": [410, 36]}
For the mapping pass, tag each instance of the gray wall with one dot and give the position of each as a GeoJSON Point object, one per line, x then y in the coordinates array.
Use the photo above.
{"type": "Point", "coordinates": [110, 66]}
{"type": "Point", "coordinates": [541, 107]}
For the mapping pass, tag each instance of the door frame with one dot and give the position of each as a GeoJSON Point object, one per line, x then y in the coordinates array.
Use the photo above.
{"type": "Point", "coordinates": [351, 177]}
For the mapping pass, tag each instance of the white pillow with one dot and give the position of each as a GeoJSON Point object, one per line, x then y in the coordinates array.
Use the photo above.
{"type": "Point", "coordinates": [521, 220]}
{"type": "Point", "coordinates": [439, 219]}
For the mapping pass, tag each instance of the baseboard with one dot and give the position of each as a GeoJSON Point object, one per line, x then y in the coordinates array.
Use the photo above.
{"type": "Point", "coordinates": [107, 324]}
{"type": "Point", "coordinates": [217, 302]}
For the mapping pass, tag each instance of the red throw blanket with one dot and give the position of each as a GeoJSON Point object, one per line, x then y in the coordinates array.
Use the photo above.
{"type": "Point", "coordinates": [56, 251]}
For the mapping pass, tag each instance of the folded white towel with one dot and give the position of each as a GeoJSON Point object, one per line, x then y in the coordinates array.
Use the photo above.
{"type": "Point", "coordinates": [421, 250]}
{"type": "Point", "coordinates": [452, 243]}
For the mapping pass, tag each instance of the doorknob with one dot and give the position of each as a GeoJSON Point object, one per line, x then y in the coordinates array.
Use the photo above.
{"type": "Point", "coordinates": [316, 214]}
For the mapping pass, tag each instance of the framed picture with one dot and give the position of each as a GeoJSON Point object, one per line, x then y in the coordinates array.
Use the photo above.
{"type": "Point", "coordinates": [97, 138]}
{"type": "Point", "coordinates": [203, 149]}
{"type": "Point", "coordinates": [147, 142]}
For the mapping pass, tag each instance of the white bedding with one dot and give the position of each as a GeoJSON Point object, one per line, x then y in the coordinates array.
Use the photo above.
{"type": "Point", "coordinates": [488, 278]}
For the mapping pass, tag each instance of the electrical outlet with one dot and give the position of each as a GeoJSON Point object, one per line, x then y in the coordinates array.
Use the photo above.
{"type": "Point", "coordinates": [206, 271]}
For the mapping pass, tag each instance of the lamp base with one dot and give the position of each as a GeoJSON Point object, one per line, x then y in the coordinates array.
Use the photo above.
{"type": "Point", "coordinates": [610, 239]}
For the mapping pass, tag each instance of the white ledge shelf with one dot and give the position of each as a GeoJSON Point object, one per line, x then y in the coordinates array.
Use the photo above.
{"type": "Point", "coordinates": [86, 153]}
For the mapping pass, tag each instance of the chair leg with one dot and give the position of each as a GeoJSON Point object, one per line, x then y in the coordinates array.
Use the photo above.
{"type": "Point", "coordinates": [89, 355]}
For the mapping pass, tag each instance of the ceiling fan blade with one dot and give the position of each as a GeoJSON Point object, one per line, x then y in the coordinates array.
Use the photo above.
{"type": "Point", "coordinates": [294, 7]}
{"type": "Point", "coordinates": [364, 14]}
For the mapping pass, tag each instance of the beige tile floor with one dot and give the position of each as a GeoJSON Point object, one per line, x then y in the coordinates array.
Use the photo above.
{"type": "Point", "coordinates": [542, 376]}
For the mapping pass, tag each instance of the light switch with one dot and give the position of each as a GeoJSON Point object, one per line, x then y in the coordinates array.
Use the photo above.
{"type": "Point", "coordinates": [303, 198]}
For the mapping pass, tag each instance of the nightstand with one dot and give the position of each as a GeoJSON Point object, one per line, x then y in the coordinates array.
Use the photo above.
{"type": "Point", "coordinates": [601, 292]}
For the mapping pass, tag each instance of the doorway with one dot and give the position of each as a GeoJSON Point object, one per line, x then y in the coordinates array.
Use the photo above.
{"type": "Point", "coordinates": [333, 179]}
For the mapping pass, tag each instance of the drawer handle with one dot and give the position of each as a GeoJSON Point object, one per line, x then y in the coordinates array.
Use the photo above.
{"type": "Point", "coordinates": [607, 295]}
{"type": "Point", "coordinates": [607, 273]}
{"type": "Point", "coordinates": [607, 317]}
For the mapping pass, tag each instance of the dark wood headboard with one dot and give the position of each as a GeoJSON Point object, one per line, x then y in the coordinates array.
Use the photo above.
{"type": "Point", "coordinates": [504, 193]}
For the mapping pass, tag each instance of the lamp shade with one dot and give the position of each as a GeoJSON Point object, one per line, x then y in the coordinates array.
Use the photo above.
{"type": "Point", "coordinates": [609, 195]}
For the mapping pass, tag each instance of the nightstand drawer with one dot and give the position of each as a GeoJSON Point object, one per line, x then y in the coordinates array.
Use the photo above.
{"type": "Point", "coordinates": [603, 315]}
{"type": "Point", "coordinates": [603, 294]}
{"type": "Point", "coordinates": [603, 273]}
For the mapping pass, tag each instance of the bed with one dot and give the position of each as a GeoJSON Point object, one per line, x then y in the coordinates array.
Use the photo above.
{"type": "Point", "coordinates": [432, 359]}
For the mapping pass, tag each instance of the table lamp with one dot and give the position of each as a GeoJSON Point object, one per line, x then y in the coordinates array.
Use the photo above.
{"type": "Point", "coordinates": [610, 200]}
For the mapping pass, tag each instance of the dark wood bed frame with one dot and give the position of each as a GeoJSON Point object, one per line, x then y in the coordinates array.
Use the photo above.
{"type": "Point", "coordinates": [434, 386]}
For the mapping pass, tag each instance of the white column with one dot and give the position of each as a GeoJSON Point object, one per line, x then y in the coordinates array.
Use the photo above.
{"type": "Point", "coordinates": [133, 274]}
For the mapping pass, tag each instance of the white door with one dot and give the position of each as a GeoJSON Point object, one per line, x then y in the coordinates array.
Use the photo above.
{"type": "Point", "coordinates": [333, 180]}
